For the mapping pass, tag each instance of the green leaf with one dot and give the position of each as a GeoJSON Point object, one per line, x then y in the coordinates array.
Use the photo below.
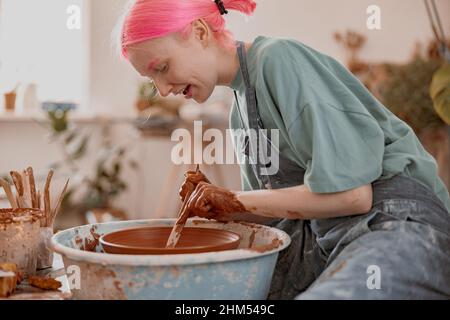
{"type": "Point", "coordinates": [406, 92]}
{"type": "Point", "coordinates": [440, 80]}
{"type": "Point", "coordinates": [440, 92]}
{"type": "Point", "coordinates": [70, 137]}
{"type": "Point", "coordinates": [58, 120]}
{"type": "Point", "coordinates": [81, 149]}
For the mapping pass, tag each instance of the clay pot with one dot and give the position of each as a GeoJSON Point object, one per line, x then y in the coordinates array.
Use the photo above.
{"type": "Point", "coordinates": [19, 238]}
{"type": "Point", "coordinates": [152, 240]}
{"type": "Point", "coordinates": [10, 101]}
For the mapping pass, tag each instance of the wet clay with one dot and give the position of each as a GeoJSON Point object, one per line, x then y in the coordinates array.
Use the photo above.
{"type": "Point", "coordinates": [204, 200]}
{"type": "Point", "coordinates": [200, 222]}
{"type": "Point", "coordinates": [267, 247]}
{"type": "Point", "coordinates": [289, 214]}
{"type": "Point", "coordinates": [191, 180]}
{"type": "Point", "coordinates": [275, 243]}
{"type": "Point", "coordinates": [152, 240]}
{"type": "Point", "coordinates": [212, 202]}
{"type": "Point", "coordinates": [10, 216]}
{"type": "Point", "coordinates": [44, 283]}
{"type": "Point", "coordinates": [91, 244]}
{"type": "Point", "coordinates": [88, 244]}
{"type": "Point", "coordinates": [295, 215]}
{"type": "Point", "coordinates": [252, 239]}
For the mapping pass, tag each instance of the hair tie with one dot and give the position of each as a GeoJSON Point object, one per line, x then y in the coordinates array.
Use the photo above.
{"type": "Point", "coordinates": [221, 7]}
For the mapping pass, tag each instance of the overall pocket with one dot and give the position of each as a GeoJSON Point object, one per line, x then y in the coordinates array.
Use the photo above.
{"type": "Point", "coordinates": [400, 209]}
{"type": "Point", "coordinates": [419, 211]}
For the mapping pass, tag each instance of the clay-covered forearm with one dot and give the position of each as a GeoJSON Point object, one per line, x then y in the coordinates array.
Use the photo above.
{"type": "Point", "coordinates": [250, 217]}
{"type": "Point", "coordinates": [300, 203]}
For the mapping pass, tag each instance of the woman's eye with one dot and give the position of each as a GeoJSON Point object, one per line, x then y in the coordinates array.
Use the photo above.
{"type": "Point", "coordinates": [164, 68]}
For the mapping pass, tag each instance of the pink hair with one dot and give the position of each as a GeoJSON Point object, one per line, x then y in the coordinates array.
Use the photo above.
{"type": "Point", "coordinates": [150, 19]}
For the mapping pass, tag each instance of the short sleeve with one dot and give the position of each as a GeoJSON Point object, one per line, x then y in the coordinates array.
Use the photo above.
{"type": "Point", "coordinates": [342, 149]}
{"type": "Point", "coordinates": [332, 134]}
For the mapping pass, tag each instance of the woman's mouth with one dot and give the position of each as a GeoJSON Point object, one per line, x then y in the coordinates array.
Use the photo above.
{"type": "Point", "coordinates": [188, 92]}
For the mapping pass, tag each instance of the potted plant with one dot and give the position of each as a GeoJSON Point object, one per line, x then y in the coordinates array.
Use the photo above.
{"type": "Point", "coordinates": [406, 93]}
{"type": "Point", "coordinates": [72, 143]}
{"type": "Point", "coordinates": [147, 95]}
{"type": "Point", "coordinates": [149, 99]}
{"type": "Point", "coordinates": [352, 42]}
{"type": "Point", "coordinates": [106, 185]}
{"type": "Point", "coordinates": [88, 192]}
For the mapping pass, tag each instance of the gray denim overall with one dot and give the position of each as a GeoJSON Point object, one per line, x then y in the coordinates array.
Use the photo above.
{"type": "Point", "coordinates": [400, 249]}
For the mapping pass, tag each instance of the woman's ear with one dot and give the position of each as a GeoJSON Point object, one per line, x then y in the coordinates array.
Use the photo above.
{"type": "Point", "coordinates": [201, 31]}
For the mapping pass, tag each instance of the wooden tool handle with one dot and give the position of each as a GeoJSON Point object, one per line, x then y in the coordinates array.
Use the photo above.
{"type": "Point", "coordinates": [181, 221]}
{"type": "Point", "coordinates": [33, 194]}
{"type": "Point", "coordinates": [17, 180]}
{"type": "Point", "coordinates": [9, 193]}
{"type": "Point", "coordinates": [47, 209]}
{"type": "Point", "coordinates": [58, 203]}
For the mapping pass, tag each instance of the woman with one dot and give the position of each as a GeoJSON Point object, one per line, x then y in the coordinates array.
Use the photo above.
{"type": "Point", "coordinates": [355, 190]}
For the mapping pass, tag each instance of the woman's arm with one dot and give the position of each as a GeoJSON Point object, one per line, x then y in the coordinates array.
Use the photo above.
{"type": "Point", "coordinates": [300, 203]}
{"type": "Point", "coordinates": [297, 202]}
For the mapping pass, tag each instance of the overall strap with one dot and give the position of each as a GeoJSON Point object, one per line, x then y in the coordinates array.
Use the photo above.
{"type": "Point", "coordinates": [254, 119]}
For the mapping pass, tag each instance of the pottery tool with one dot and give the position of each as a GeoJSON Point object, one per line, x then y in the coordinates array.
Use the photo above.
{"type": "Point", "coordinates": [181, 221]}
{"type": "Point", "coordinates": [9, 193]}
{"type": "Point", "coordinates": [33, 196]}
{"type": "Point", "coordinates": [28, 196]}
{"type": "Point", "coordinates": [26, 190]}
{"type": "Point", "coordinates": [17, 180]}
{"type": "Point", "coordinates": [47, 196]}
{"type": "Point", "coordinates": [53, 214]}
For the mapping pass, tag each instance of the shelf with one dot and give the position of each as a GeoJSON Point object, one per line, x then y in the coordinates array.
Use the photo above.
{"type": "Point", "coordinates": [9, 117]}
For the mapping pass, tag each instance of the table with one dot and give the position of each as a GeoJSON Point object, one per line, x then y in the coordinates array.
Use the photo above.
{"type": "Point", "coordinates": [26, 292]}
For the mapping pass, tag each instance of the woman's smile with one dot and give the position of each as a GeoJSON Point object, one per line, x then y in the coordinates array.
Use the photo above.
{"type": "Point", "coordinates": [188, 92]}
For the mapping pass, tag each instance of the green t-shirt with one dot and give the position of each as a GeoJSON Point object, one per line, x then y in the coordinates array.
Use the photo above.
{"type": "Point", "coordinates": [329, 123]}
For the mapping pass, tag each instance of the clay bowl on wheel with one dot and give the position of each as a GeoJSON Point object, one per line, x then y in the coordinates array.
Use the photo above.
{"type": "Point", "coordinates": [152, 240]}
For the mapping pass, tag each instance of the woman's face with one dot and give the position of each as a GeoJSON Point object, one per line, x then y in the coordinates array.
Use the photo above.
{"type": "Point", "coordinates": [178, 66]}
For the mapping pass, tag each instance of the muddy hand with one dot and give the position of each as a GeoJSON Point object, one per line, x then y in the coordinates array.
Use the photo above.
{"type": "Point", "coordinates": [191, 180]}
{"type": "Point", "coordinates": [212, 202]}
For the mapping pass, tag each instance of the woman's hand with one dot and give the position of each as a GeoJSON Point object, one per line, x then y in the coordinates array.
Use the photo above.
{"type": "Point", "coordinates": [212, 202]}
{"type": "Point", "coordinates": [191, 180]}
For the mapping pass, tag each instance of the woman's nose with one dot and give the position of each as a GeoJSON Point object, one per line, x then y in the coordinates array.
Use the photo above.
{"type": "Point", "coordinates": [163, 88]}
